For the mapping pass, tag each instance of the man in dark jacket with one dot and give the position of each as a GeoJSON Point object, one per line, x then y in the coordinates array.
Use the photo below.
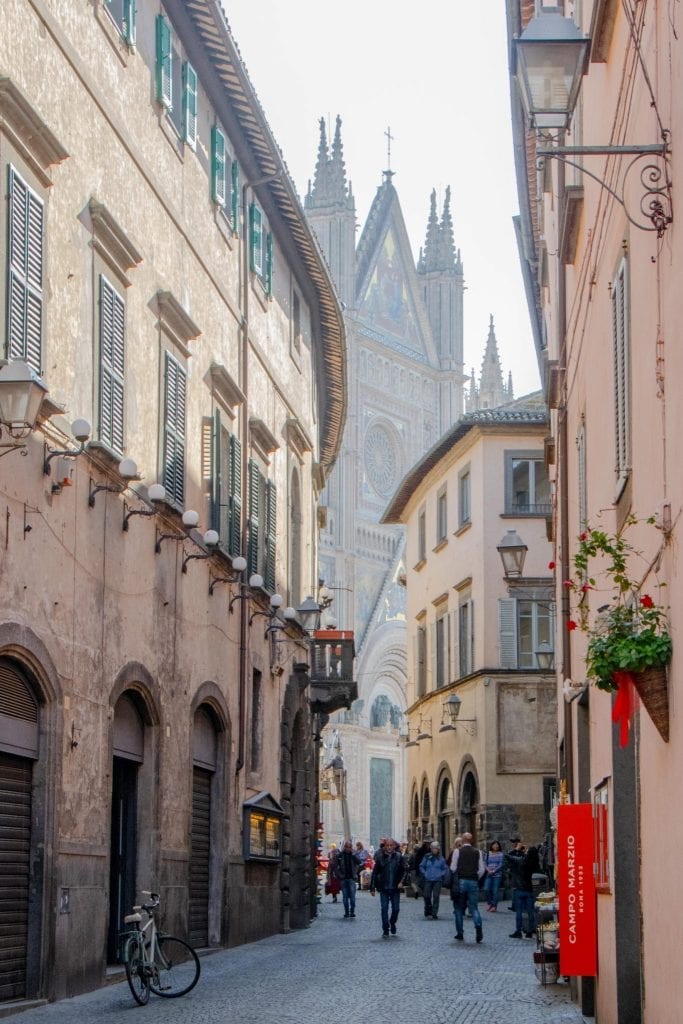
{"type": "Point", "coordinates": [387, 875]}
{"type": "Point", "coordinates": [470, 867]}
{"type": "Point", "coordinates": [524, 894]}
{"type": "Point", "coordinates": [347, 873]}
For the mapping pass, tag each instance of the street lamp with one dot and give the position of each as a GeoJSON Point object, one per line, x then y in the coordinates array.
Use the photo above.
{"type": "Point", "coordinates": [544, 656]}
{"type": "Point", "coordinates": [552, 57]}
{"type": "Point", "coordinates": [512, 551]}
{"type": "Point", "coordinates": [452, 707]}
{"type": "Point", "coordinates": [309, 614]}
{"type": "Point", "coordinates": [21, 395]}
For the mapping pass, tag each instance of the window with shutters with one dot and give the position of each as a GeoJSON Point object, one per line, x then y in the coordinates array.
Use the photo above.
{"type": "Point", "coordinates": [222, 460]}
{"type": "Point", "coordinates": [173, 456]}
{"type": "Point", "coordinates": [112, 366]}
{"type": "Point", "coordinates": [523, 626]}
{"type": "Point", "coordinates": [260, 248]}
{"type": "Point", "coordinates": [441, 515]}
{"type": "Point", "coordinates": [464, 498]}
{"type": "Point", "coordinates": [622, 381]}
{"type": "Point", "coordinates": [225, 178]}
{"type": "Point", "coordinates": [122, 13]}
{"type": "Point", "coordinates": [421, 536]}
{"type": "Point", "coordinates": [465, 637]}
{"type": "Point", "coordinates": [443, 650]}
{"type": "Point", "coordinates": [527, 487]}
{"type": "Point", "coordinates": [164, 63]}
{"type": "Point", "coordinates": [256, 745]}
{"type": "Point", "coordinates": [24, 320]}
{"type": "Point", "coordinates": [421, 655]}
{"type": "Point", "coordinates": [262, 526]}
{"type": "Point", "coordinates": [296, 321]}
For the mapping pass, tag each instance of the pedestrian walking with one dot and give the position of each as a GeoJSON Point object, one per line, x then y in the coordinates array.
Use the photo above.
{"type": "Point", "coordinates": [494, 873]}
{"type": "Point", "coordinates": [524, 902]}
{"type": "Point", "coordinates": [387, 875]}
{"type": "Point", "coordinates": [468, 863]}
{"type": "Point", "coordinates": [414, 864]}
{"type": "Point", "coordinates": [432, 868]}
{"type": "Point", "coordinates": [361, 855]}
{"type": "Point", "coordinates": [332, 885]}
{"type": "Point", "coordinates": [347, 873]}
{"type": "Point", "coordinates": [514, 859]}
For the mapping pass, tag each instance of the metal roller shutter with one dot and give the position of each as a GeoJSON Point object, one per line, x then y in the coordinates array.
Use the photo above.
{"type": "Point", "coordinates": [199, 857]}
{"type": "Point", "coordinates": [15, 843]}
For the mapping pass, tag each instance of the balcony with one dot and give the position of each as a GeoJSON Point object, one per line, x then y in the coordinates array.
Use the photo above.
{"type": "Point", "coordinates": [331, 673]}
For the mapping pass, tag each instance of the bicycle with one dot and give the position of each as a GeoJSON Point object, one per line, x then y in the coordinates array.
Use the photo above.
{"type": "Point", "coordinates": [156, 962]}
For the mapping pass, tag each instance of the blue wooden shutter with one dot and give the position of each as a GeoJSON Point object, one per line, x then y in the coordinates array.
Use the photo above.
{"type": "Point", "coordinates": [189, 105]}
{"type": "Point", "coordinates": [256, 239]}
{"type": "Point", "coordinates": [174, 429]}
{"type": "Point", "coordinates": [164, 62]}
{"type": "Point", "coordinates": [129, 21]}
{"type": "Point", "coordinates": [235, 197]}
{"type": "Point", "coordinates": [25, 273]}
{"type": "Point", "coordinates": [507, 632]}
{"type": "Point", "coordinates": [217, 166]}
{"type": "Point", "coordinates": [271, 535]}
{"type": "Point", "coordinates": [235, 499]}
{"type": "Point", "coordinates": [269, 263]}
{"type": "Point", "coordinates": [112, 366]}
{"type": "Point", "coordinates": [253, 520]}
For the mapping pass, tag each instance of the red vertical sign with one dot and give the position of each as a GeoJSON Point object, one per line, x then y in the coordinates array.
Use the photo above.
{"type": "Point", "coordinates": [576, 890]}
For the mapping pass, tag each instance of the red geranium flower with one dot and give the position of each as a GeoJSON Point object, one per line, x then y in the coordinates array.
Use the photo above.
{"type": "Point", "coordinates": [583, 536]}
{"type": "Point", "coordinates": [551, 565]}
{"type": "Point", "coordinates": [647, 601]}
{"type": "Point", "coordinates": [568, 584]}
{"type": "Point", "coordinates": [571, 625]}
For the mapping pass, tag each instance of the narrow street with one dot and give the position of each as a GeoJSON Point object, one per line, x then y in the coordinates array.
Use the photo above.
{"type": "Point", "coordinates": [344, 970]}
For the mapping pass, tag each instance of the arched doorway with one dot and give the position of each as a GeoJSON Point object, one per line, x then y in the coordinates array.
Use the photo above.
{"type": "Point", "coordinates": [469, 805]}
{"type": "Point", "coordinates": [445, 811]}
{"type": "Point", "coordinates": [128, 755]}
{"type": "Point", "coordinates": [19, 714]}
{"type": "Point", "coordinates": [426, 813]}
{"type": "Point", "coordinates": [415, 817]}
{"type": "Point", "coordinates": [204, 767]}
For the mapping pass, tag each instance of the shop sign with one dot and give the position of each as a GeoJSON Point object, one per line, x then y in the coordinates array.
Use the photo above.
{"type": "Point", "coordinates": [576, 890]}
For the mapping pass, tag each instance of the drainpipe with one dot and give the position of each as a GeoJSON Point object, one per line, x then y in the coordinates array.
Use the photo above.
{"type": "Point", "coordinates": [244, 610]}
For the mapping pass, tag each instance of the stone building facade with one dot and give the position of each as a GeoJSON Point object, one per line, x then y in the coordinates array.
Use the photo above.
{"type": "Point", "coordinates": [472, 635]}
{"type": "Point", "coordinates": [162, 280]}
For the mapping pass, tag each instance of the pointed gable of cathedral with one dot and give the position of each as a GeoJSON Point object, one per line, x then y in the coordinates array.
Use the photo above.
{"type": "Point", "coordinates": [388, 297]}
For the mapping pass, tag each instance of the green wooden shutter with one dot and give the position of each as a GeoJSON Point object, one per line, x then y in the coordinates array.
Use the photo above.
{"type": "Point", "coordinates": [112, 366]}
{"type": "Point", "coordinates": [235, 498]}
{"type": "Point", "coordinates": [216, 475]}
{"type": "Point", "coordinates": [189, 105]}
{"type": "Point", "coordinates": [129, 12]}
{"type": "Point", "coordinates": [253, 520]}
{"type": "Point", "coordinates": [25, 273]}
{"type": "Point", "coordinates": [174, 429]}
{"type": "Point", "coordinates": [256, 239]}
{"type": "Point", "coordinates": [507, 631]}
{"type": "Point", "coordinates": [269, 263]}
{"type": "Point", "coordinates": [235, 197]}
{"type": "Point", "coordinates": [217, 166]}
{"type": "Point", "coordinates": [271, 535]}
{"type": "Point", "coordinates": [164, 63]}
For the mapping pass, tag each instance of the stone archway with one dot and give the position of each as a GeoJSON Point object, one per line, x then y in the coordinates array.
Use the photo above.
{"type": "Point", "coordinates": [469, 804]}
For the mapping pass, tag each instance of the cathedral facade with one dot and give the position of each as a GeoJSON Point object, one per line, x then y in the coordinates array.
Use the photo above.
{"type": "Point", "coordinates": [406, 387]}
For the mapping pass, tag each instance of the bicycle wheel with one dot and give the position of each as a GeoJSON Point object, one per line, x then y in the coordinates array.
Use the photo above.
{"type": "Point", "coordinates": [177, 967]}
{"type": "Point", "coordinates": [136, 972]}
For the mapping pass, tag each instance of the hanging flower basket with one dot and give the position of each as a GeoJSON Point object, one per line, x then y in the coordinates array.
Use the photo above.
{"type": "Point", "coordinates": [629, 644]}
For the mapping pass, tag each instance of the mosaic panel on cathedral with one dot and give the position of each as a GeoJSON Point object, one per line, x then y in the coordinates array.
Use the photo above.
{"type": "Point", "coordinates": [386, 304]}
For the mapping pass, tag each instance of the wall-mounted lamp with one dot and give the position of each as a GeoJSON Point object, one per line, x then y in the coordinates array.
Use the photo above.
{"type": "Point", "coordinates": [424, 729]}
{"type": "Point", "coordinates": [80, 429]}
{"type": "Point", "coordinates": [21, 395]}
{"type": "Point", "coordinates": [274, 602]}
{"type": "Point", "coordinates": [512, 551]}
{"type": "Point", "coordinates": [409, 737]}
{"type": "Point", "coordinates": [156, 493]}
{"type": "Point", "coordinates": [551, 58]}
{"type": "Point", "coordinates": [128, 470]}
{"type": "Point", "coordinates": [190, 520]}
{"type": "Point", "coordinates": [210, 539]}
{"type": "Point", "coordinates": [255, 582]}
{"type": "Point", "coordinates": [239, 564]}
{"type": "Point", "coordinates": [544, 656]}
{"type": "Point", "coordinates": [450, 716]}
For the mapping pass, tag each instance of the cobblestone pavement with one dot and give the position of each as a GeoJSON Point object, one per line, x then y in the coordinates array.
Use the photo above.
{"type": "Point", "coordinates": [341, 970]}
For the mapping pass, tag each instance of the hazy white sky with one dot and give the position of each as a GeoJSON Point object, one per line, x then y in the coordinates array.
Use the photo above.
{"type": "Point", "coordinates": [436, 72]}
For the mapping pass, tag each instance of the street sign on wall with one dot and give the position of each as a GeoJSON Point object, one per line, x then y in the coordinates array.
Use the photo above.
{"type": "Point", "coordinates": [576, 890]}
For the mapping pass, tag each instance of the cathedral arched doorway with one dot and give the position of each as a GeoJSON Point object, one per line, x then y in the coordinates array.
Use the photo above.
{"type": "Point", "coordinates": [19, 752]}
{"type": "Point", "coordinates": [445, 812]}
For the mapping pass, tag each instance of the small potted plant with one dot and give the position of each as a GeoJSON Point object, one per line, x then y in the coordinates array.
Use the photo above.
{"type": "Point", "coordinates": [629, 644]}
